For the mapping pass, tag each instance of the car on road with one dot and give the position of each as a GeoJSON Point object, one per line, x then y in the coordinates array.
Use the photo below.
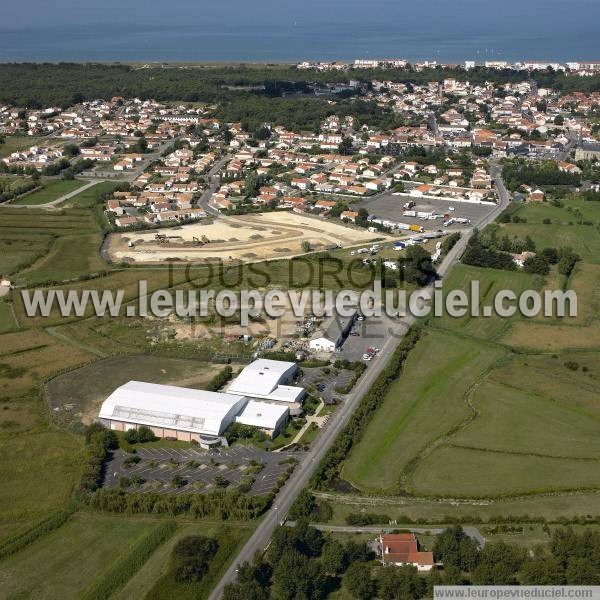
{"type": "Point", "coordinates": [367, 357]}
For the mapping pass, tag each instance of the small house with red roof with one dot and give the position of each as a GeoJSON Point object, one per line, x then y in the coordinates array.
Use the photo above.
{"type": "Point", "coordinates": [403, 549]}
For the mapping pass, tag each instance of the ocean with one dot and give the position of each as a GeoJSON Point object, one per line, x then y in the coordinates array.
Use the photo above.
{"type": "Point", "coordinates": [289, 31]}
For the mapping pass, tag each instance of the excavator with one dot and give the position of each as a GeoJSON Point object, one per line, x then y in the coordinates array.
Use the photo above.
{"type": "Point", "coordinates": [200, 242]}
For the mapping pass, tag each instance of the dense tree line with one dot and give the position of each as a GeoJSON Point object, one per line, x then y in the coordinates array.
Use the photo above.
{"type": "Point", "coordinates": [302, 563]}
{"type": "Point", "coordinates": [62, 84]}
{"type": "Point", "coordinates": [519, 171]}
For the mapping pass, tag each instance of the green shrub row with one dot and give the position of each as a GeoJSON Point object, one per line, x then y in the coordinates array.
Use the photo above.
{"type": "Point", "coordinates": [329, 468]}
{"type": "Point", "coordinates": [123, 569]}
{"type": "Point", "coordinates": [217, 504]}
{"type": "Point", "coordinates": [220, 379]}
{"type": "Point", "coordinates": [17, 543]}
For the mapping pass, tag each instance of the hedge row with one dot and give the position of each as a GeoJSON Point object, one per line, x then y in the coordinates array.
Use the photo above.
{"type": "Point", "coordinates": [217, 504]}
{"type": "Point", "coordinates": [220, 379]}
{"type": "Point", "coordinates": [123, 569]}
{"type": "Point", "coordinates": [329, 468]}
{"type": "Point", "coordinates": [17, 543]}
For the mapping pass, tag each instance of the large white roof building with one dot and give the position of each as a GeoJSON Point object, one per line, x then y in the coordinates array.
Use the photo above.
{"type": "Point", "coordinates": [171, 411]}
{"type": "Point", "coordinates": [263, 415]}
{"type": "Point", "coordinates": [266, 379]}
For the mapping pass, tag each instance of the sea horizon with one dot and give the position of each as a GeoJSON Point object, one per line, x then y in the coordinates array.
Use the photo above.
{"type": "Point", "coordinates": [285, 32]}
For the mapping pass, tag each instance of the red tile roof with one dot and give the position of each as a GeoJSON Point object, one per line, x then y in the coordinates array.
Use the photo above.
{"type": "Point", "coordinates": [403, 548]}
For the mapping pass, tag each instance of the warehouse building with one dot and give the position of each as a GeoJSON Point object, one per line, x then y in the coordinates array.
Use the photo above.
{"type": "Point", "coordinates": [170, 411]}
{"type": "Point", "coordinates": [269, 418]}
{"type": "Point", "coordinates": [201, 416]}
{"type": "Point", "coordinates": [267, 379]}
{"type": "Point", "coordinates": [334, 335]}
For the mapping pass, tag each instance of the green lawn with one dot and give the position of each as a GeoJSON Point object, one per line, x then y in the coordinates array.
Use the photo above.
{"type": "Point", "coordinates": [423, 404]}
{"type": "Point", "coordinates": [62, 563]}
{"type": "Point", "coordinates": [52, 189]}
{"type": "Point", "coordinates": [89, 197]}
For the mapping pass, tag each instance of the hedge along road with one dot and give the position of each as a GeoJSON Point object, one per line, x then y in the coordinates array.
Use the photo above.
{"type": "Point", "coordinates": [300, 478]}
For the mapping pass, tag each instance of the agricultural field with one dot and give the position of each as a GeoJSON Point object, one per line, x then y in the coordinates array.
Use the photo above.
{"type": "Point", "coordinates": [403, 427]}
{"type": "Point", "coordinates": [7, 322]}
{"type": "Point", "coordinates": [512, 424]}
{"type": "Point", "coordinates": [574, 224]}
{"type": "Point", "coordinates": [153, 579]}
{"type": "Point", "coordinates": [52, 189]}
{"type": "Point", "coordinates": [38, 245]}
{"type": "Point", "coordinates": [63, 563]}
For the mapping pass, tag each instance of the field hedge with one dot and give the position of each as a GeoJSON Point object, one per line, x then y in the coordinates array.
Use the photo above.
{"type": "Point", "coordinates": [217, 504]}
{"type": "Point", "coordinates": [329, 468]}
{"type": "Point", "coordinates": [220, 379]}
{"type": "Point", "coordinates": [123, 569]}
{"type": "Point", "coordinates": [49, 524]}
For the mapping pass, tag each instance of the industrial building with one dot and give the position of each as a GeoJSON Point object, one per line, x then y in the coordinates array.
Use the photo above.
{"type": "Point", "coordinates": [170, 411]}
{"type": "Point", "coordinates": [267, 379]}
{"type": "Point", "coordinates": [333, 336]}
{"type": "Point", "coordinates": [201, 416]}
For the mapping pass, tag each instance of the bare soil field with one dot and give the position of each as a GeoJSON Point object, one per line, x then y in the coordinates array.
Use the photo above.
{"type": "Point", "coordinates": [78, 395]}
{"type": "Point", "coordinates": [246, 238]}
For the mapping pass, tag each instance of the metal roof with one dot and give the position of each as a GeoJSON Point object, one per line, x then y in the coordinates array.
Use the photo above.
{"type": "Point", "coordinates": [171, 407]}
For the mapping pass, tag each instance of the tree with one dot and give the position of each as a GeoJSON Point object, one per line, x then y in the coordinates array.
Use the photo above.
{"type": "Point", "coordinates": [542, 570]}
{"type": "Point", "coordinates": [306, 247]}
{"type": "Point", "coordinates": [401, 583]}
{"type": "Point", "coordinates": [454, 548]}
{"type": "Point", "coordinates": [416, 266]}
{"type": "Point", "coordinates": [345, 146]}
{"type": "Point", "coordinates": [334, 557]}
{"type": "Point", "coordinates": [358, 581]}
{"type": "Point", "coordinates": [191, 557]}
{"type": "Point", "coordinates": [581, 571]}
{"type": "Point", "coordinates": [303, 505]}
{"type": "Point", "coordinates": [536, 264]}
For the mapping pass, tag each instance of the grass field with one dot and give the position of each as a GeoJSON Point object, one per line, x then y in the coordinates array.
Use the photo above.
{"type": "Point", "coordinates": [7, 322]}
{"type": "Point", "coordinates": [437, 376]}
{"type": "Point", "coordinates": [491, 281]}
{"type": "Point", "coordinates": [564, 229]}
{"type": "Point", "coordinates": [52, 189]}
{"type": "Point", "coordinates": [89, 198]}
{"type": "Point", "coordinates": [37, 245]}
{"type": "Point", "coordinates": [551, 507]}
{"type": "Point", "coordinates": [158, 584]}
{"type": "Point", "coordinates": [38, 472]}
{"type": "Point", "coordinates": [63, 563]}
{"type": "Point", "coordinates": [462, 472]}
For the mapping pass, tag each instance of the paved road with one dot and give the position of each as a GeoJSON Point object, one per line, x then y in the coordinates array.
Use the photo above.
{"type": "Point", "coordinates": [472, 532]}
{"type": "Point", "coordinates": [58, 200]}
{"type": "Point", "coordinates": [214, 183]}
{"type": "Point", "coordinates": [301, 476]}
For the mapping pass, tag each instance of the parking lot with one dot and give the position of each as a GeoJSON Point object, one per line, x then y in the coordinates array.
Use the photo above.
{"type": "Point", "coordinates": [198, 469]}
{"type": "Point", "coordinates": [390, 206]}
{"type": "Point", "coordinates": [326, 382]}
{"type": "Point", "coordinates": [372, 332]}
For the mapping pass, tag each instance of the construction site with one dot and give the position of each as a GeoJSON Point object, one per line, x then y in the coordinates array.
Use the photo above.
{"type": "Point", "coordinates": [247, 238]}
